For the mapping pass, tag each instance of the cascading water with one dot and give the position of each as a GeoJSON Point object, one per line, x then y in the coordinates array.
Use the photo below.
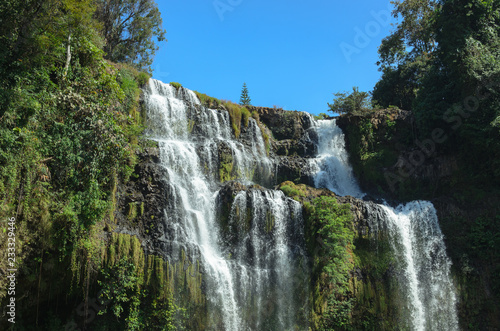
{"type": "Point", "coordinates": [416, 238]}
{"type": "Point", "coordinates": [269, 251]}
{"type": "Point", "coordinates": [331, 165]}
{"type": "Point", "coordinates": [249, 281]}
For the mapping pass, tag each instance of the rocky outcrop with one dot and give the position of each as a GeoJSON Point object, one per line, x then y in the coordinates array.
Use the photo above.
{"type": "Point", "coordinates": [140, 203]}
{"type": "Point", "coordinates": [291, 131]}
{"type": "Point", "coordinates": [283, 123]}
{"type": "Point", "coordinates": [296, 169]}
{"type": "Point", "coordinates": [391, 160]}
{"type": "Point", "coordinates": [140, 217]}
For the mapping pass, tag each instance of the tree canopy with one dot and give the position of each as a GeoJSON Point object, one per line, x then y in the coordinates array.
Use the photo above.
{"type": "Point", "coordinates": [350, 103]}
{"type": "Point", "coordinates": [442, 61]}
{"type": "Point", "coordinates": [129, 28]}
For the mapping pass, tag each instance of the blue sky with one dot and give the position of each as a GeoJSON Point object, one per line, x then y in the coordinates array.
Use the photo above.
{"type": "Point", "coordinates": [292, 54]}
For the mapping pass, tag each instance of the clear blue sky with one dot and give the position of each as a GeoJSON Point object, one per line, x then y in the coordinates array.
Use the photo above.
{"type": "Point", "coordinates": [293, 54]}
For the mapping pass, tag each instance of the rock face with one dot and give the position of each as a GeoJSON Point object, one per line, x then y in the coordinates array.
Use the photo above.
{"type": "Point", "coordinates": [290, 130]}
{"type": "Point", "coordinates": [390, 160]}
{"type": "Point", "coordinates": [142, 200]}
{"type": "Point", "coordinates": [293, 141]}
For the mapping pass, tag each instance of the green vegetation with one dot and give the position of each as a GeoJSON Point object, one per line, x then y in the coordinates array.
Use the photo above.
{"type": "Point", "coordinates": [176, 85]}
{"type": "Point", "coordinates": [330, 236]}
{"type": "Point", "coordinates": [447, 77]}
{"type": "Point", "coordinates": [129, 29]}
{"type": "Point", "coordinates": [244, 98]}
{"type": "Point", "coordinates": [321, 116]}
{"type": "Point", "coordinates": [70, 122]}
{"type": "Point", "coordinates": [226, 167]}
{"type": "Point", "coordinates": [292, 190]}
{"type": "Point", "coordinates": [354, 103]}
{"type": "Point", "coordinates": [442, 63]}
{"type": "Point", "coordinates": [208, 101]}
{"type": "Point", "coordinates": [372, 150]}
{"type": "Point", "coordinates": [238, 115]}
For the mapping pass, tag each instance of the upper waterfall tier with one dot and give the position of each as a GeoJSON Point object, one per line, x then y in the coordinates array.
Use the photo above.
{"type": "Point", "coordinates": [176, 114]}
{"type": "Point", "coordinates": [331, 164]}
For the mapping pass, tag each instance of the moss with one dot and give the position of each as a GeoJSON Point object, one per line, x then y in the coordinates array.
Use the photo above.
{"type": "Point", "coordinates": [226, 167]}
{"type": "Point", "coordinates": [266, 142]}
{"type": "Point", "coordinates": [123, 245]}
{"type": "Point", "coordinates": [235, 115]}
{"type": "Point", "coordinates": [180, 282]}
{"type": "Point", "coordinates": [112, 206]}
{"type": "Point", "coordinates": [293, 190]}
{"type": "Point", "coordinates": [245, 115]}
{"type": "Point", "coordinates": [132, 211]}
{"type": "Point", "coordinates": [208, 101]}
{"type": "Point", "coordinates": [270, 220]}
{"type": "Point", "coordinates": [191, 124]}
{"type": "Point", "coordinates": [176, 85]}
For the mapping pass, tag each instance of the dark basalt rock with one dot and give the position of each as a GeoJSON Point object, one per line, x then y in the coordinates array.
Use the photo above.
{"type": "Point", "coordinates": [296, 169]}
{"type": "Point", "coordinates": [284, 124]}
{"type": "Point", "coordinates": [140, 203]}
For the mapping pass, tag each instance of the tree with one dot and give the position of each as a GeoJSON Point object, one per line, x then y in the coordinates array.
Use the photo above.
{"type": "Point", "coordinates": [407, 53]}
{"type": "Point", "coordinates": [244, 98]}
{"type": "Point", "coordinates": [442, 62]}
{"type": "Point", "coordinates": [345, 103]}
{"type": "Point", "coordinates": [129, 28]}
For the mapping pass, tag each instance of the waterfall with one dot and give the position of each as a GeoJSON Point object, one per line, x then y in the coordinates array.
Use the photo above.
{"type": "Point", "coordinates": [254, 274]}
{"type": "Point", "coordinates": [418, 242]}
{"type": "Point", "coordinates": [331, 164]}
{"type": "Point", "coordinates": [416, 239]}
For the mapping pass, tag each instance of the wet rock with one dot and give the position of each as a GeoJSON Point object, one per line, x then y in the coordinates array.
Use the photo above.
{"type": "Point", "coordinates": [296, 169]}
{"type": "Point", "coordinates": [141, 201]}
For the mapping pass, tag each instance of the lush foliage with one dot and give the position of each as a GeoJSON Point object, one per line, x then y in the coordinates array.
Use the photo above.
{"type": "Point", "coordinates": [443, 62]}
{"type": "Point", "coordinates": [350, 103]}
{"type": "Point", "coordinates": [134, 306]}
{"type": "Point", "coordinates": [70, 123]}
{"type": "Point", "coordinates": [406, 53]}
{"type": "Point", "coordinates": [130, 29]}
{"type": "Point", "coordinates": [332, 253]}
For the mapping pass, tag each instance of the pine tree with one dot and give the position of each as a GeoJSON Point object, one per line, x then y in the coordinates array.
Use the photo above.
{"type": "Point", "coordinates": [244, 98]}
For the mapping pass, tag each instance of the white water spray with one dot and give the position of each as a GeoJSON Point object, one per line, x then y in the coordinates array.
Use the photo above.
{"type": "Point", "coordinates": [250, 282]}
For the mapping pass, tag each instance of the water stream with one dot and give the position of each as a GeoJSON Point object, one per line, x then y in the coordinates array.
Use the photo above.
{"type": "Point", "coordinates": [416, 238]}
{"type": "Point", "coordinates": [249, 272]}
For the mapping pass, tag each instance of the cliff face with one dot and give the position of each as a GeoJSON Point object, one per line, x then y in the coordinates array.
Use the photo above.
{"type": "Point", "coordinates": [391, 160]}
{"type": "Point", "coordinates": [292, 142]}
{"type": "Point", "coordinates": [373, 289]}
{"type": "Point", "coordinates": [141, 202]}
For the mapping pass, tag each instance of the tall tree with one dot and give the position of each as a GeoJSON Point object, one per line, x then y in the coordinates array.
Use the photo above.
{"type": "Point", "coordinates": [244, 98]}
{"type": "Point", "coordinates": [406, 54]}
{"type": "Point", "coordinates": [129, 28]}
